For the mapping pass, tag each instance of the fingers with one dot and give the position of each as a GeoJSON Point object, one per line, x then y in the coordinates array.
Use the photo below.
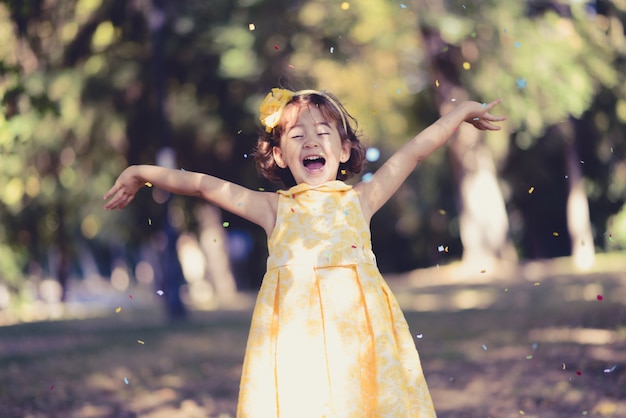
{"type": "Point", "coordinates": [120, 199]}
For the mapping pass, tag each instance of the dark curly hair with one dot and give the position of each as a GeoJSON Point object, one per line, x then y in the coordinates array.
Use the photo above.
{"type": "Point", "coordinates": [332, 110]}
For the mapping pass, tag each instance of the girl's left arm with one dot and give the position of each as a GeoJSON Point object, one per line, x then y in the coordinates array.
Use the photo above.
{"type": "Point", "coordinates": [390, 176]}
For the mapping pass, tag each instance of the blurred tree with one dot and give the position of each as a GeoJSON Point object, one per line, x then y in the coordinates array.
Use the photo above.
{"type": "Point", "coordinates": [546, 59]}
{"type": "Point", "coordinates": [48, 139]}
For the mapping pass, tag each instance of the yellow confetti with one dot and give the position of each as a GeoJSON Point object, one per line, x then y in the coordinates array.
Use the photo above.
{"type": "Point", "coordinates": [343, 171]}
{"type": "Point", "coordinates": [483, 271]}
{"type": "Point", "coordinates": [564, 367]}
{"type": "Point", "coordinates": [531, 190]}
{"type": "Point", "coordinates": [251, 26]}
{"type": "Point", "coordinates": [436, 83]}
{"type": "Point", "coordinates": [140, 342]}
{"type": "Point", "coordinates": [522, 412]}
{"type": "Point", "coordinates": [537, 284]}
{"type": "Point", "coordinates": [118, 309]}
{"type": "Point", "coordinates": [148, 184]}
{"type": "Point", "coordinates": [467, 65]}
{"type": "Point", "coordinates": [345, 5]}
{"type": "Point", "coordinates": [442, 212]}
{"type": "Point", "coordinates": [556, 234]}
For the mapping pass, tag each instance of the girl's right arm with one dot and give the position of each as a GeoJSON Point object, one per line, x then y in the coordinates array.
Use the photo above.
{"type": "Point", "coordinates": [257, 207]}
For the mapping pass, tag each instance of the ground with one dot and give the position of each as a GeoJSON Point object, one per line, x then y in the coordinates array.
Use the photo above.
{"type": "Point", "coordinates": [534, 345]}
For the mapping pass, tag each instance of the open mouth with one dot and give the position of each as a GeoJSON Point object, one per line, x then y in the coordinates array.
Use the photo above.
{"type": "Point", "coordinates": [314, 162]}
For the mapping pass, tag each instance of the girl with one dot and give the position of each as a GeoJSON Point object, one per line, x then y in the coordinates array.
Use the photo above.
{"type": "Point", "coordinates": [328, 338]}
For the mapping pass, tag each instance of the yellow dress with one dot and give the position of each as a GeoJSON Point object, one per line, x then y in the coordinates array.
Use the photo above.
{"type": "Point", "coordinates": [328, 338]}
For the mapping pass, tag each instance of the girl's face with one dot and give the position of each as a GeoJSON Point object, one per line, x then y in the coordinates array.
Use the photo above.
{"type": "Point", "coordinates": [310, 146]}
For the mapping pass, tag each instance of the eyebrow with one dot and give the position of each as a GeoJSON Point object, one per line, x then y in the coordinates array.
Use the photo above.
{"type": "Point", "coordinates": [299, 125]}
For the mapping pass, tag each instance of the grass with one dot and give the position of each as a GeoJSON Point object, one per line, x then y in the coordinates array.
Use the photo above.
{"type": "Point", "coordinates": [548, 349]}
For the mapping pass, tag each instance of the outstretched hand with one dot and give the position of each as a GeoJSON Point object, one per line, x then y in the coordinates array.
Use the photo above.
{"type": "Point", "coordinates": [479, 116]}
{"type": "Point", "coordinates": [123, 191]}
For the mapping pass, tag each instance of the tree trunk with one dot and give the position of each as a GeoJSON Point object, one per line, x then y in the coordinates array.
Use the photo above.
{"type": "Point", "coordinates": [483, 223]}
{"type": "Point", "coordinates": [578, 220]}
{"type": "Point", "coordinates": [214, 244]}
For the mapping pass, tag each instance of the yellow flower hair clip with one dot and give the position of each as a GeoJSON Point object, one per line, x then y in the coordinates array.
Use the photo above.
{"type": "Point", "coordinates": [272, 107]}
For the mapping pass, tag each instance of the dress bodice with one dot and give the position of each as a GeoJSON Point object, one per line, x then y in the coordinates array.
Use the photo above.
{"type": "Point", "coordinates": [320, 226]}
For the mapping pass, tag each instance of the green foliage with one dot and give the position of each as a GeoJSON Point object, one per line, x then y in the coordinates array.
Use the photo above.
{"type": "Point", "coordinates": [78, 99]}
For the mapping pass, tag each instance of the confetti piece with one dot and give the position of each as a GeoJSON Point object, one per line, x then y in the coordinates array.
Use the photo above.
{"type": "Point", "coordinates": [599, 297]}
{"type": "Point", "coordinates": [579, 373]}
{"type": "Point", "coordinates": [467, 65]}
{"type": "Point", "coordinates": [483, 271]}
{"type": "Point", "coordinates": [520, 83]}
{"type": "Point", "coordinates": [402, 6]}
{"type": "Point", "coordinates": [484, 347]}
{"type": "Point", "coordinates": [276, 47]}
{"type": "Point", "coordinates": [420, 335]}
{"type": "Point", "coordinates": [442, 212]}
{"type": "Point", "coordinates": [517, 45]}
{"type": "Point", "coordinates": [343, 171]}
{"type": "Point", "coordinates": [126, 380]}
{"type": "Point", "coordinates": [530, 357]}
{"type": "Point", "coordinates": [436, 83]}
{"type": "Point", "coordinates": [564, 366]}
{"type": "Point", "coordinates": [225, 224]}
{"type": "Point", "coordinates": [537, 284]}
{"type": "Point", "coordinates": [345, 5]}
{"type": "Point", "coordinates": [148, 184]}
{"type": "Point", "coordinates": [534, 346]}
{"type": "Point", "coordinates": [51, 387]}
{"type": "Point", "coordinates": [160, 292]}
{"type": "Point", "coordinates": [522, 412]}
{"type": "Point", "coordinates": [611, 370]}
{"type": "Point", "coordinates": [484, 105]}
{"type": "Point", "coordinates": [531, 190]}
{"type": "Point", "coordinates": [251, 26]}
{"type": "Point", "coordinates": [130, 297]}
{"type": "Point", "coordinates": [367, 177]}
{"type": "Point", "coordinates": [140, 342]}
{"type": "Point", "coordinates": [556, 234]}
{"type": "Point", "coordinates": [118, 309]}
{"type": "Point", "coordinates": [291, 66]}
{"type": "Point", "coordinates": [332, 49]}
{"type": "Point", "coordinates": [149, 221]}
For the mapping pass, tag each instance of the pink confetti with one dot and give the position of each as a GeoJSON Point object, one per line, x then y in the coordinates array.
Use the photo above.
{"type": "Point", "coordinates": [579, 373]}
{"type": "Point", "coordinates": [276, 47]}
{"type": "Point", "coordinates": [600, 297]}
{"type": "Point", "coordinates": [51, 387]}
{"type": "Point", "coordinates": [130, 297]}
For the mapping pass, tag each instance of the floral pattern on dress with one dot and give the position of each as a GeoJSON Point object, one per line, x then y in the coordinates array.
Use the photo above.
{"type": "Point", "coordinates": [328, 338]}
